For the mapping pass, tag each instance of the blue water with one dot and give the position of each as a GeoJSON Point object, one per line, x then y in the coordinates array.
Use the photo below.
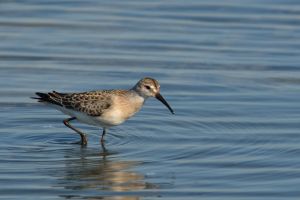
{"type": "Point", "coordinates": [230, 70]}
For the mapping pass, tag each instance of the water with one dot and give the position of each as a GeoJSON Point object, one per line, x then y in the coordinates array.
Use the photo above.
{"type": "Point", "coordinates": [229, 69]}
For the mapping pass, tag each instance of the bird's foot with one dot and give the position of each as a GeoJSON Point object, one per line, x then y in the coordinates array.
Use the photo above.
{"type": "Point", "coordinates": [82, 142]}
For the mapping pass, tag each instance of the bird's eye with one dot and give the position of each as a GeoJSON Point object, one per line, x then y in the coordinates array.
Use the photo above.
{"type": "Point", "coordinates": [147, 87]}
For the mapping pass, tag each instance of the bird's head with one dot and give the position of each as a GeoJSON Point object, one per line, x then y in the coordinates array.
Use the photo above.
{"type": "Point", "coordinates": [149, 87]}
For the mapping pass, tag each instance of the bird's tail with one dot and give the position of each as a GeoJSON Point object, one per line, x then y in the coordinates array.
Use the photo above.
{"type": "Point", "coordinates": [51, 97]}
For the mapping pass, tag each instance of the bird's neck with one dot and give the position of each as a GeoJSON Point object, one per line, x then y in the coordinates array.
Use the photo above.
{"type": "Point", "coordinates": [135, 90]}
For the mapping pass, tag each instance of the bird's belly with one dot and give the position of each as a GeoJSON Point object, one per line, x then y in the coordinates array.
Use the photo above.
{"type": "Point", "coordinates": [112, 118]}
{"type": "Point", "coordinates": [87, 119]}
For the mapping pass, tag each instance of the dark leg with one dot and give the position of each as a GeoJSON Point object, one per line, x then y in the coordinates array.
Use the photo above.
{"type": "Point", "coordinates": [82, 135]}
{"type": "Point", "coordinates": [104, 152]}
{"type": "Point", "coordinates": [103, 133]}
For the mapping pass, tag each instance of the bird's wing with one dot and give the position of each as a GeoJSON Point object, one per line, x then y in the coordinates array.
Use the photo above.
{"type": "Point", "coordinates": [91, 103]}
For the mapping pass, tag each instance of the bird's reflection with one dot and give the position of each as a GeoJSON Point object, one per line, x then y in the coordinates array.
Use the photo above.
{"type": "Point", "coordinates": [89, 169]}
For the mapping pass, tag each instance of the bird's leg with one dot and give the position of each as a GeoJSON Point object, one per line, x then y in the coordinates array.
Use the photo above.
{"type": "Point", "coordinates": [82, 135]}
{"type": "Point", "coordinates": [104, 152]}
{"type": "Point", "coordinates": [103, 133]}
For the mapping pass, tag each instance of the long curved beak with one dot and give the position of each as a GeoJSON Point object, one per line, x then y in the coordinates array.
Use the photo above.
{"type": "Point", "coordinates": [161, 99]}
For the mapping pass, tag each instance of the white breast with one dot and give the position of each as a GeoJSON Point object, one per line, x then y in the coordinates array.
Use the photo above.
{"type": "Point", "coordinates": [123, 108]}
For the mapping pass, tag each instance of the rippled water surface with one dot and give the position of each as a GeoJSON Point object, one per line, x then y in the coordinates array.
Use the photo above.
{"type": "Point", "coordinates": [230, 69]}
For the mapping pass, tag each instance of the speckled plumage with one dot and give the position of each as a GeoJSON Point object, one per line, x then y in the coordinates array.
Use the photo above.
{"type": "Point", "coordinates": [92, 103]}
{"type": "Point", "coordinates": [103, 108]}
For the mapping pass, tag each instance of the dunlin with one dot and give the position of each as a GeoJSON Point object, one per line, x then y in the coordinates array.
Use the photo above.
{"type": "Point", "coordinates": [103, 108]}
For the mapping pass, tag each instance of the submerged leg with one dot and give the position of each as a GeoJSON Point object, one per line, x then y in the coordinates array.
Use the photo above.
{"type": "Point", "coordinates": [103, 133]}
{"type": "Point", "coordinates": [82, 135]}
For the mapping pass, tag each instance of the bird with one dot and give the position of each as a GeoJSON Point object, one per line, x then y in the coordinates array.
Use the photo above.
{"type": "Point", "coordinates": [103, 108]}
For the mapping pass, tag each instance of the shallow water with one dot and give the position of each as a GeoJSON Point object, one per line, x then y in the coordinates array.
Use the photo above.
{"type": "Point", "coordinates": [229, 69]}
